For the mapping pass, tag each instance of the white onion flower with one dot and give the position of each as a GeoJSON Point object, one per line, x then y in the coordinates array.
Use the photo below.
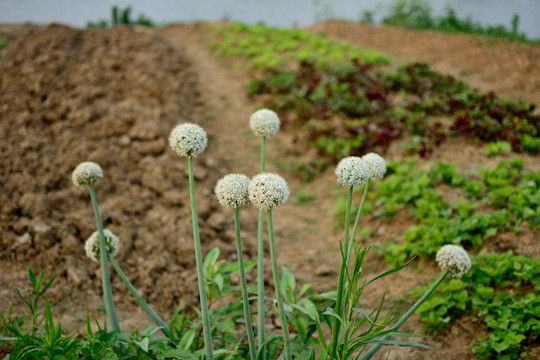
{"type": "Point", "coordinates": [268, 191]}
{"type": "Point", "coordinates": [352, 171]}
{"type": "Point", "coordinates": [86, 173]}
{"type": "Point", "coordinates": [454, 259]}
{"type": "Point", "coordinates": [376, 164]}
{"type": "Point", "coordinates": [188, 140]}
{"type": "Point", "coordinates": [232, 191]}
{"type": "Point", "coordinates": [264, 122]}
{"type": "Point", "coordinates": [92, 246]}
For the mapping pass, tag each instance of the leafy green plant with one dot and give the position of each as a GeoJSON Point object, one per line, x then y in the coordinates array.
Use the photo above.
{"type": "Point", "coordinates": [497, 148]}
{"type": "Point", "coordinates": [269, 47]}
{"type": "Point", "coordinates": [349, 108]}
{"type": "Point", "coordinates": [418, 14]}
{"type": "Point", "coordinates": [509, 189]}
{"type": "Point", "coordinates": [121, 16]}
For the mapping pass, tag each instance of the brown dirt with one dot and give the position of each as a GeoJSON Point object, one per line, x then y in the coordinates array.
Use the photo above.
{"type": "Point", "coordinates": [113, 96]}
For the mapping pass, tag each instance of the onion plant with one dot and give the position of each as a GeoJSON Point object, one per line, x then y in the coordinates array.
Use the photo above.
{"type": "Point", "coordinates": [232, 192]}
{"type": "Point", "coordinates": [452, 259]}
{"type": "Point", "coordinates": [263, 123]}
{"type": "Point", "coordinates": [93, 251]}
{"type": "Point", "coordinates": [266, 192]}
{"type": "Point", "coordinates": [190, 140]}
{"type": "Point", "coordinates": [85, 175]}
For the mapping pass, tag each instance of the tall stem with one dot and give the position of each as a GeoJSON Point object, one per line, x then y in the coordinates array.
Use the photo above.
{"type": "Point", "coordinates": [260, 268]}
{"type": "Point", "coordinates": [341, 281]}
{"type": "Point", "coordinates": [153, 315]}
{"type": "Point", "coordinates": [245, 295]}
{"type": "Point", "coordinates": [357, 221]}
{"type": "Point", "coordinates": [199, 263]}
{"type": "Point", "coordinates": [404, 318]}
{"type": "Point", "coordinates": [112, 319]}
{"type": "Point", "coordinates": [263, 154]}
{"type": "Point", "coordinates": [277, 285]}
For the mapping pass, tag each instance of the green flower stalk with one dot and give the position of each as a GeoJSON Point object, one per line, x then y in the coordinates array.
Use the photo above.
{"type": "Point", "coordinates": [377, 169]}
{"type": "Point", "coordinates": [85, 175]}
{"type": "Point", "coordinates": [93, 251]}
{"type": "Point", "coordinates": [144, 305]}
{"type": "Point", "coordinates": [232, 192]}
{"type": "Point", "coordinates": [351, 172]}
{"type": "Point", "coordinates": [452, 259]}
{"type": "Point", "coordinates": [263, 123]}
{"type": "Point", "coordinates": [266, 192]}
{"type": "Point", "coordinates": [190, 140]}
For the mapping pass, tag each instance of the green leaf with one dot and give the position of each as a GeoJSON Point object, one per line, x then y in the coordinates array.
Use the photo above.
{"type": "Point", "coordinates": [287, 279]}
{"type": "Point", "coordinates": [177, 354]}
{"type": "Point", "coordinates": [400, 343]}
{"type": "Point", "coordinates": [187, 339]}
{"type": "Point", "coordinates": [390, 271]}
{"type": "Point", "coordinates": [307, 307]}
{"type": "Point", "coordinates": [219, 280]}
{"type": "Point", "coordinates": [211, 258]}
{"type": "Point", "coordinates": [365, 315]}
{"type": "Point", "coordinates": [144, 344]}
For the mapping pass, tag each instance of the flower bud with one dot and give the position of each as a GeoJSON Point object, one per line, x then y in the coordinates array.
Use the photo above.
{"type": "Point", "coordinates": [188, 140]}
{"type": "Point", "coordinates": [264, 122]}
{"type": "Point", "coordinates": [376, 165]}
{"type": "Point", "coordinates": [86, 173]}
{"type": "Point", "coordinates": [92, 246]}
{"type": "Point", "coordinates": [454, 259]}
{"type": "Point", "coordinates": [352, 171]}
{"type": "Point", "coordinates": [232, 191]}
{"type": "Point", "coordinates": [268, 191]}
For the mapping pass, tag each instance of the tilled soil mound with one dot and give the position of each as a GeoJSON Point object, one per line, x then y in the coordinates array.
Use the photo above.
{"type": "Point", "coordinates": [109, 96]}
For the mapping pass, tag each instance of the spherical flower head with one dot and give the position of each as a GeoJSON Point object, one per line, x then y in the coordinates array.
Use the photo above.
{"type": "Point", "coordinates": [232, 191]}
{"type": "Point", "coordinates": [352, 171]}
{"type": "Point", "coordinates": [188, 140]}
{"type": "Point", "coordinates": [376, 165]}
{"type": "Point", "coordinates": [454, 259]}
{"type": "Point", "coordinates": [86, 173]}
{"type": "Point", "coordinates": [92, 246]}
{"type": "Point", "coordinates": [264, 122]}
{"type": "Point", "coordinates": [268, 191]}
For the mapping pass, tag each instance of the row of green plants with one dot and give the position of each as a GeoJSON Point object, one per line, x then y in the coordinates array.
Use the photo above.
{"type": "Point", "coordinates": [332, 325]}
{"type": "Point", "coordinates": [365, 106]}
{"type": "Point", "coordinates": [268, 47]}
{"type": "Point", "coordinates": [349, 104]}
{"type": "Point", "coordinates": [491, 201]}
{"type": "Point", "coordinates": [418, 14]}
{"type": "Point", "coordinates": [121, 16]}
{"type": "Point", "coordinates": [502, 289]}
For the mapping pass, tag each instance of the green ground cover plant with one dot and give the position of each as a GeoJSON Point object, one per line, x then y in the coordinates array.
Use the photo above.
{"type": "Point", "coordinates": [418, 14]}
{"type": "Point", "coordinates": [501, 291]}
{"type": "Point", "coordinates": [491, 201]}
{"type": "Point", "coordinates": [269, 47]}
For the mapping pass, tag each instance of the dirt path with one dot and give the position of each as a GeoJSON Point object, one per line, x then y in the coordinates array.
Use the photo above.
{"type": "Point", "coordinates": [224, 94]}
